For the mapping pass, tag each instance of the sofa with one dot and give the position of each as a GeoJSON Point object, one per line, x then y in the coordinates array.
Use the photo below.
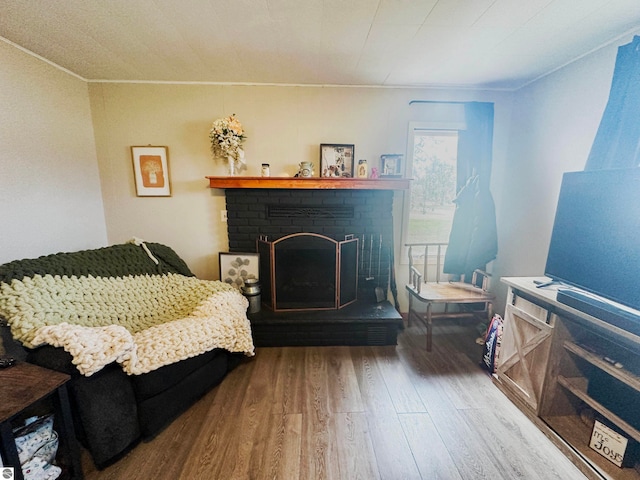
{"type": "Point", "coordinates": [141, 337]}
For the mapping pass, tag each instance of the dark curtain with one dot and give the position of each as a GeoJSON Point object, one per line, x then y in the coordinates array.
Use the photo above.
{"type": "Point", "coordinates": [475, 144]}
{"type": "Point", "coordinates": [473, 241]}
{"type": "Point", "coordinates": [617, 142]}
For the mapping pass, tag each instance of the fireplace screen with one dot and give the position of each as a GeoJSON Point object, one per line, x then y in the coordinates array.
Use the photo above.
{"type": "Point", "coordinates": [308, 271]}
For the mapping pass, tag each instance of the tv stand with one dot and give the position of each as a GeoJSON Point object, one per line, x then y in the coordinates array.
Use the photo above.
{"type": "Point", "coordinates": [619, 316]}
{"type": "Point", "coordinates": [565, 369]}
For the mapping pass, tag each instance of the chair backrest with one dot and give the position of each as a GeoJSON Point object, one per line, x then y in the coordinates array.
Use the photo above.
{"type": "Point", "coordinates": [430, 269]}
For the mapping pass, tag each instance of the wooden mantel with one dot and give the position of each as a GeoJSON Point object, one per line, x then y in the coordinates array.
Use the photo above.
{"type": "Point", "coordinates": [314, 183]}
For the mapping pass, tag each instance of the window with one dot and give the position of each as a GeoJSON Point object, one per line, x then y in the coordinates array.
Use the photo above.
{"type": "Point", "coordinates": [433, 188]}
{"type": "Point", "coordinates": [434, 161]}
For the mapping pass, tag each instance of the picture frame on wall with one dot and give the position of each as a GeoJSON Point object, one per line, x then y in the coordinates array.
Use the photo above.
{"type": "Point", "coordinates": [391, 165]}
{"type": "Point", "coordinates": [336, 160]}
{"type": "Point", "coordinates": [151, 171]}
{"type": "Point", "coordinates": [236, 267]}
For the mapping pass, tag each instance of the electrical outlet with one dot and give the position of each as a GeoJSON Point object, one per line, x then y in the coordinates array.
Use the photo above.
{"type": "Point", "coordinates": [223, 216]}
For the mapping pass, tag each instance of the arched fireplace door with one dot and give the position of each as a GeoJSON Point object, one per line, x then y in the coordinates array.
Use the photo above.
{"type": "Point", "coordinates": [308, 271]}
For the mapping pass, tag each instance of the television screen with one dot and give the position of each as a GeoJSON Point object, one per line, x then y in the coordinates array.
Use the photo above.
{"type": "Point", "coordinates": [595, 242]}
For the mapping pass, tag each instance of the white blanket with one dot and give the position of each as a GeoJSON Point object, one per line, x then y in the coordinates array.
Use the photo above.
{"type": "Point", "coordinates": [141, 322]}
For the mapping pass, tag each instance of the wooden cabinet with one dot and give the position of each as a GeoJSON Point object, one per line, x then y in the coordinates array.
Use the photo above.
{"type": "Point", "coordinates": [524, 353]}
{"type": "Point", "coordinates": [567, 370]}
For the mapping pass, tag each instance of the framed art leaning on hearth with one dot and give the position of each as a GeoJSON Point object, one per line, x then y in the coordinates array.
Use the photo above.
{"type": "Point", "coordinates": [236, 267]}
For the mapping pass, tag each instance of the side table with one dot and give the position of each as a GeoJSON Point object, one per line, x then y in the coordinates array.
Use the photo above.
{"type": "Point", "coordinates": [21, 386]}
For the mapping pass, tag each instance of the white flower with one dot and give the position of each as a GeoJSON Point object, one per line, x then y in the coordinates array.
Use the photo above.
{"type": "Point", "coordinates": [226, 137]}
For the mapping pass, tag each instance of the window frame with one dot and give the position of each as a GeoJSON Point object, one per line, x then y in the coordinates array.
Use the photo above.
{"type": "Point", "coordinates": [414, 128]}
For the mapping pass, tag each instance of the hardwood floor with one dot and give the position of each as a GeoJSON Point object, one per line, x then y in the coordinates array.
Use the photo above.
{"type": "Point", "coordinates": [352, 413]}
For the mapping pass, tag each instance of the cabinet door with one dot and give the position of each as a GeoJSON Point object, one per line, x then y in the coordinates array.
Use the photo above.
{"type": "Point", "coordinates": [524, 354]}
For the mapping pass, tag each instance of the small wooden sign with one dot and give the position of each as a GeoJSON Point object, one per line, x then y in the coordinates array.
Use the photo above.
{"type": "Point", "coordinates": [608, 443]}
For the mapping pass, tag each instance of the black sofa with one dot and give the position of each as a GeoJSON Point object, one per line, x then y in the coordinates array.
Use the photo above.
{"type": "Point", "coordinates": [112, 410]}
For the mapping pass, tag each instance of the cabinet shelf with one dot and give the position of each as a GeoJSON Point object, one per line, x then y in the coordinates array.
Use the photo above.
{"type": "Point", "coordinates": [578, 387]}
{"type": "Point", "coordinates": [577, 434]}
{"type": "Point", "coordinates": [621, 374]}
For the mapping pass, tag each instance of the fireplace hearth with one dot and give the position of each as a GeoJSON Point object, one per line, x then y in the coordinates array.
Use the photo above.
{"type": "Point", "coordinates": [360, 323]}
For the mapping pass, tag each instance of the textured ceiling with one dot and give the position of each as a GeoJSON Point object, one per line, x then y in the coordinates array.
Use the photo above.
{"type": "Point", "coordinates": [471, 43]}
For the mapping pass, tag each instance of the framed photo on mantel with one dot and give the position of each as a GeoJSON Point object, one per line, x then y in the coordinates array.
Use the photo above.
{"type": "Point", "coordinates": [336, 160]}
{"type": "Point", "coordinates": [391, 165]}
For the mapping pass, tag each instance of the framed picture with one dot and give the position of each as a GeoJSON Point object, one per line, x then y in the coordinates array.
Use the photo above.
{"type": "Point", "coordinates": [391, 165]}
{"type": "Point", "coordinates": [336, 160]}
{"type": "Point", "coordinates": [151, 171]}
{"type": "Point", "coordinates": [235, 267]}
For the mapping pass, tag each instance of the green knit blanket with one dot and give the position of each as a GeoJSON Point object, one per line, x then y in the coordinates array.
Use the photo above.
{"type": "Point", "coordinates": [157, 315]}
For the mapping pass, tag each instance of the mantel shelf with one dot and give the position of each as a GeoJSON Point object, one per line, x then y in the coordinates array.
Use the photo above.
{"type": "Point", "coordinates": [314, 183]}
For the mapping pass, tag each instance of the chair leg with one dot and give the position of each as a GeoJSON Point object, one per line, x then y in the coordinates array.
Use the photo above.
{"type": "Point", "coordinates": [429, 327]}
{"type": "Point", "coordinates": [410, 310]}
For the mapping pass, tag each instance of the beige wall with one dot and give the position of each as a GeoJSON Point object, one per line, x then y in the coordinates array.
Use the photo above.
{"type": "Point", "coordinates": [50, 197]}
{"type": "Point", "coordinates": [284, 125]}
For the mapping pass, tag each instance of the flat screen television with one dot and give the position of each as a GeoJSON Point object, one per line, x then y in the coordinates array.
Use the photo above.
{"type": "Point", "coordinates": [595, 242]}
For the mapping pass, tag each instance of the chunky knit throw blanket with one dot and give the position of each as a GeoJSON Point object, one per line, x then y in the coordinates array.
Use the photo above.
{"type": "Point", "coordinates": [157, 315]}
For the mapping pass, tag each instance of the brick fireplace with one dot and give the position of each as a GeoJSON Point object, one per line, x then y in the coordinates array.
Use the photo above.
{"type": "Point", "coordinates": [365, 214]}
{"type": "Point", "coordinates": [364, 211]}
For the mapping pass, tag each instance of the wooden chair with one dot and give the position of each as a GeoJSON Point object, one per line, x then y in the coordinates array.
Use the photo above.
{"type": "Point", "coordinates": [429, 289]}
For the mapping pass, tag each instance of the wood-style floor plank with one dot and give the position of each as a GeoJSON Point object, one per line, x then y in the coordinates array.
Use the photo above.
{"type": "Point", "coordinates": [342, 383]}
{"type": "Point", "coordinates": [373, 391]}
{"type": "Point", "coordinates": [230, 393]}
{"type": "Point", "coordinates": [343, 413]}
{"type": "Point", "coordinates": [352, 446]}
{"type": "Point", "coordinates": [399, 385]}
{"type": "Point", "coordinates": [280, 456]}
{"type": "Point", "coordinates": [429, 452]}
{"type": "Point", "coordinates": [210, 445]}
{"type": "Point", "coordinates": [471, 456]}
{"type": "Point", "coordinates": [424, 377]}
{"type": "Point", "coordinates": [507, 423]}
{"type": "Point", "coordinates": [316, 458]}
{"type": "Point", "coordinates": [393, 452]}
{"type": "Point", "coordinates": [289, 380]}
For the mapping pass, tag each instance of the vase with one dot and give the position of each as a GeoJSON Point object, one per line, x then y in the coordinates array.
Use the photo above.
{"type": "Point", "coordinates": [306, 169]}
{"type": "Point", "coordinates": [363, 170]}
{"type": "Point", "coordinates": [231, 166]}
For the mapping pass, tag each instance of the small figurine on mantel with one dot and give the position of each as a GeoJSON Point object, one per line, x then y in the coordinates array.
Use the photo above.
{"type": "Point", "coordinates": [306, 170]}
{"type": "Point", "coordinates": [374, 172]}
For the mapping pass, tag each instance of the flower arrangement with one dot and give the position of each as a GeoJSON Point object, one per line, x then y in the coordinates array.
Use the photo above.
{"type": "Point", "coordinates": [226, 137]}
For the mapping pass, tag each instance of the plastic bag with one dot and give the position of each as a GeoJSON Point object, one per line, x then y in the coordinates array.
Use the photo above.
{"type": "Point", "coordinates": [37, 446]}
{"type": "Point", "coordinates": [492, 342]}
